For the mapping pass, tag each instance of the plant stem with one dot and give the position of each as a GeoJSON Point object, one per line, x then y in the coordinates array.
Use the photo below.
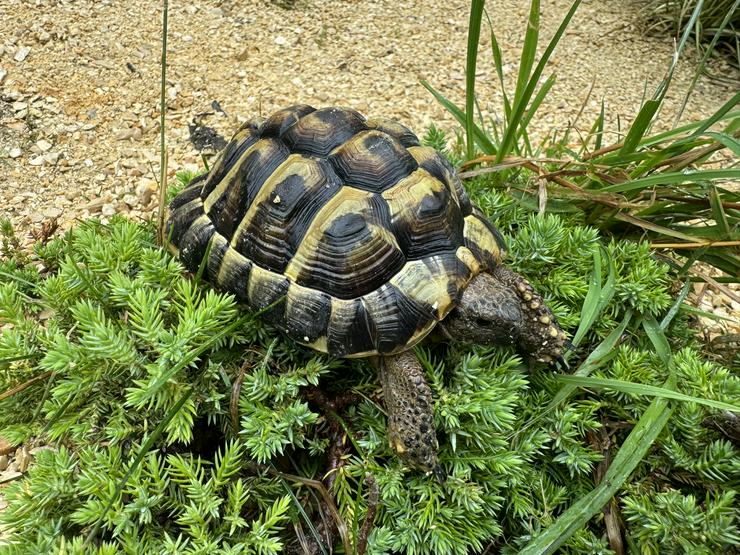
{"type": "Point", "coordinates": [476, 15]}
{"type": "Point", "coordinates": [162, 141]}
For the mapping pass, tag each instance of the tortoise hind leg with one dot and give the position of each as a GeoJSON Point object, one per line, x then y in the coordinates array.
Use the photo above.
{"type": "Point", "coordinates": [408, 401]}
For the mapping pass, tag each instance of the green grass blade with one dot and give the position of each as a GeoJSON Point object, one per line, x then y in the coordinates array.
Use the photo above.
{"type": "Point", "coordinates": [529, 50]}
{"type": "Point", "coordinates": [498, 63]}
{"type": "Point", "coordinates": [480, 137]}
{"type": "Point", "coordinates": [672, 178]}
{"type": "Point", "coordinates": [476, 15]}
{"type": "Point", "coordinates": [645, 224]}
{"type": "Point", "coordinates": [676, 306]}
{"type": "Point", "coordinates": [662, 89]}
{"type": "Point", "coordinates": [658, 339]}
{"type": "Point", "coordinates": [719, 215]}
{"type": "Point", "coordinates": [536, 101]}
{"type": "Point", "coordinates": [191, 356]}
{"type": "Point", "coordinates": [600, 127]}
{"type": "Point", "coordinates": [724, 112]}
{"type": "Point", "coordinates": [629, 456]}
{"type": "Point", "coordinates": [640, 126]}
{"type": "Point", "coordinates": [314, 532]}
{"type": "Point", "coordinates": [730, 142]}
{"type": "Point", "coordinates": [645, 390]}
{"type": "Point", "coordinates": [600, 355]}
{"type": "Point", "coordinates": [520, 104]}
{"type": "Point", "coordinates": [597, 296]}
{"type": "Point", "coordinates": [697, 127]}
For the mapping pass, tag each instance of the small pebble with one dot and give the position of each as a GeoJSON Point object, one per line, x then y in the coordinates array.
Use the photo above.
{"type": "Point", "coordinates": [43, 145]}
{"type": "Point", "coordinates": [22, 53]}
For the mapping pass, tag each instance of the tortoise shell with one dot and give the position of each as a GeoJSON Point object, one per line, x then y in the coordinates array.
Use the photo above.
{"type": "Point", "coordinates": [358, 239]}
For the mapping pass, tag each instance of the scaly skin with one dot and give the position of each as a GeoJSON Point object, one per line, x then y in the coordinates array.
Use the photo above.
{"type": "Point", "coordinates": [502, 308]}
{"type": "Point", "coordinates": [497, 308]}
{"type": "Point", "coordinates": [410, 407]}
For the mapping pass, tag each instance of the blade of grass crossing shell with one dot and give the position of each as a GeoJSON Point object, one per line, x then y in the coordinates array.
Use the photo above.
{"type": "Point", "coordinates": [476, 15]}
{"type": "Point", "coordinates": [483, 141]}
{"type": "Point", "coordinates": [520, 104]}
{"type": "Point", "coordinates": [643, 389]}
{"type": "Point", "coordinates": [633, 450]}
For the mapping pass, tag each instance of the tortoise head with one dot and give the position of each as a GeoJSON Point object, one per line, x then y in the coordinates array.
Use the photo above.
{"type": "Point", "coordinates": [501, 308]}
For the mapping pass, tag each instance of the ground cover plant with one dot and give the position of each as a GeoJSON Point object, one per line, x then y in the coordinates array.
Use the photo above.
{"type": "Point", "coordinates": [178, 422]}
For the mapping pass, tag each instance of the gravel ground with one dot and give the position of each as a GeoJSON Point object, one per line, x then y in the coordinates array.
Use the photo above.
{"type": "Point", "coordinates": [79, 81]}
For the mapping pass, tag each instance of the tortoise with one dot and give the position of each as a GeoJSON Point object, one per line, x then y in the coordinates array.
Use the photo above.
{"type": "Point", "coordinates": [358, 242]}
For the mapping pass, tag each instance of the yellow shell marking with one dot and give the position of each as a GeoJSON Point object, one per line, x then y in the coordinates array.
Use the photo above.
{"type": "Point", "coordinates": [465, 256]}
{"type": "Point", "coordinates": [476, 232]}
{"type": "Point", "coordinates": [425, 283]}
{"type": "Point", "coordinates": [229, 178]}
{"type": "Point", "coordinates": [295, 164]}
{"type": "Point", "coordinates": [347, 200]}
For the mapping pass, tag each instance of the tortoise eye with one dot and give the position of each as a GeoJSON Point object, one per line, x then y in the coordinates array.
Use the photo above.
{"type": "Point", "coordinates": [482, 322]}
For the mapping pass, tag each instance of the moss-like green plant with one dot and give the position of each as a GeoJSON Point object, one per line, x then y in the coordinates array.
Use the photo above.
{"type": "Point", "coordinates": [179, 423]}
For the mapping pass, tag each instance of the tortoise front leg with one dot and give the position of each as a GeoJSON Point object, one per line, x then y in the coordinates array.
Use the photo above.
{"type": "Point", "coordinates": [410, 407]}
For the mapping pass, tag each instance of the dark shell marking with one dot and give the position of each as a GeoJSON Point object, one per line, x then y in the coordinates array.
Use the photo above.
{"type": "Point", "coordinates": [359, 238]}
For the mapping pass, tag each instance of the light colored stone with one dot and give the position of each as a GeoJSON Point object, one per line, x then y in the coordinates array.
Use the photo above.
{"type": "Point", "coordinates": [15, 152]}
{"type": "Point", "coordinates": [108, 210]}
{"type": "Point", "coordinates": [95, 205]}
{"type": "Point", "coordinates": [5, 446]}
{"type": "Point", "coordinates": [145, 191]}
{"type": "Point", "coordinates": [22, 458]}
{"type": "Point", "coordinates": [3, 75]}
{"type": "Point", "coordinates": [43, 145]}
{"type": "Point", "coordinates": [22, 53]}
{"type": "Point", "coordinates": [37, 160]}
